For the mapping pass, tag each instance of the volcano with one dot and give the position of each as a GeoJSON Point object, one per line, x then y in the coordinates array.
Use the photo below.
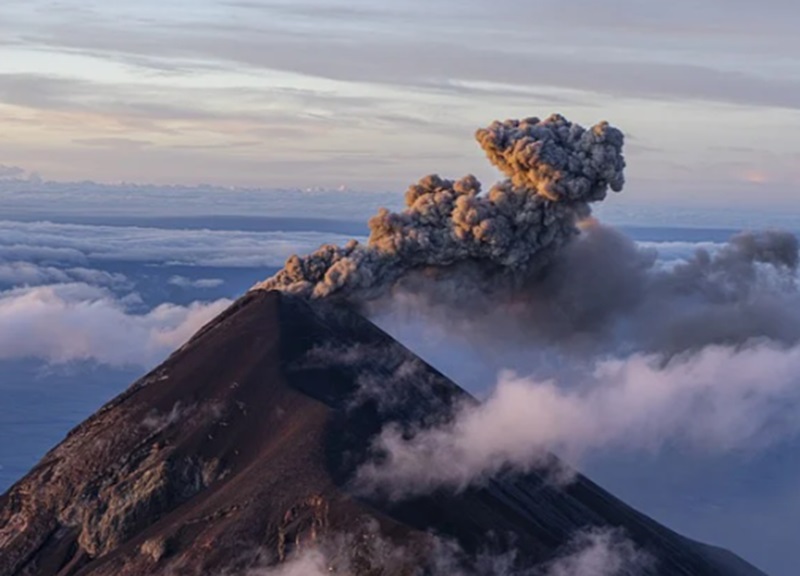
{"type": "Point", "coordinates": [240, 450]}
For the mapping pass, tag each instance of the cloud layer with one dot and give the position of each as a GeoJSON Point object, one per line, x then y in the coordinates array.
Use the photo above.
{"type": "Point", "coordinates": [593, 552]}
{"type": "Point", "coordinates": [718, 400]}
{"type": "Point", "coordinates": [613, 350]}
{"type": "Point", "coordinates": [28, 273]}
{"type": "Point", "coordinates": [76, 244]}
{"type": "Point", "coordinates": [77, 322]}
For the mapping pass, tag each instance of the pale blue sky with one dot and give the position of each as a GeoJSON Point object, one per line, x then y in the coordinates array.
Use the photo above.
{"type": "Point", "coordinates": [374, 94]}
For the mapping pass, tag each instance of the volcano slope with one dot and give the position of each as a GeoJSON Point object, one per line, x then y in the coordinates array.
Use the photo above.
{"type": "Point", "coordinates": [237, 451]}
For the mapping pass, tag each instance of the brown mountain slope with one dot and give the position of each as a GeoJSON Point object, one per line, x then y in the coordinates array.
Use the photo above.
{"type": "Point", "coordinates": [243, 442]}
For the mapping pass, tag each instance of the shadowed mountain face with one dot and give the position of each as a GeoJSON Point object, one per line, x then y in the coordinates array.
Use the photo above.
{"type": "Point", "coordinates": [238, 450]}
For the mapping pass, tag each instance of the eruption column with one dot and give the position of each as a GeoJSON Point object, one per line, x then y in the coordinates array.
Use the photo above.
{"type": "Point", "coordinates": [554, 170]}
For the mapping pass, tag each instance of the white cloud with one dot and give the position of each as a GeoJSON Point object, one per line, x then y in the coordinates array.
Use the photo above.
{"type": "Point", "coordinates": [600, 552]}
{"type": "Point", "coordinates": [45, 199]}
{"type": "Point", "coordinates": [71, 322]}
{"type": "Point", "coordinates": [671, 250]}
{"type": "Point", "coordinates": [23, 252]}
{"type": "Point", "coordinates": [184, 282]}
{"type": "Point", "coordinates": [720, 399]}
{"type": "Point", "coordinates": [592, 552]}
{"type": "Point", "coordinates": [308, 563]}
{"type": "Point", "coordinates": [97, 277]}
{"type": "Point", "coordinates": [78, 244]}
{"type": "Point", "coordinates": [28, 273]}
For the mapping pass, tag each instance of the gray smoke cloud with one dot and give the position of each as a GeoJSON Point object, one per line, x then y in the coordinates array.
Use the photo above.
{"type": "Point", "coordinates": [608, 346]}
{"type": "Point", "coordinates": [605, 295]}
{"type": "Point", "coordinates": [554, 170]}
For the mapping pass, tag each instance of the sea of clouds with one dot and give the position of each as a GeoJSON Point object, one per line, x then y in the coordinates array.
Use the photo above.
{"type": "Point", "coordinates": [100, 297]}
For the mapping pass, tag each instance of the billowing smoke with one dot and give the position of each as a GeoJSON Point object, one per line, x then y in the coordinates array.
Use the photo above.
{"type": "Point", "coordinates": [604, 295]}
{"type": "Point", "coordinates": [599, 343]}
{"type": "Point", "coordinates": [554, 170]}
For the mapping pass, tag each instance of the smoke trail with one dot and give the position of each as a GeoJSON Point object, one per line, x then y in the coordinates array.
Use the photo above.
{"type": "Point", "coordinates": [554, 170]}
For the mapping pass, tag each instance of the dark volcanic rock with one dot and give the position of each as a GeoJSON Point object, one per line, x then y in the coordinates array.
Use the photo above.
{"type": "Point", "coordinates": [237, 450]}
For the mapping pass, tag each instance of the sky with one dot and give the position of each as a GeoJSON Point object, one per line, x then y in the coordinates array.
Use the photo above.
{"type": "Point", "coordinates": [160, 158]}
{"type": "Point", "coordinates": [371, 95]}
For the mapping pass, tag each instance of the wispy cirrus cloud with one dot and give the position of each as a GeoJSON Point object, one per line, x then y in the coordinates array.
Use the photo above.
{"type": "Point", "coordinates": [291, 81]}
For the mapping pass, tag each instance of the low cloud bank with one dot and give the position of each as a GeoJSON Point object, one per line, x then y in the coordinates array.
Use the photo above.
{"type": "Point", "coordinates": [200, 283]}
{"type": "Point", "coordinates": [593, 552]}
{"type": "Point", "coordinates": [78, 244]}
{"type": "Point", "coordinates": [74, 322]}
{"type": "Point", "coordinates": [18, 273]}
{"type": "Point", "coordinates": [719, 400]}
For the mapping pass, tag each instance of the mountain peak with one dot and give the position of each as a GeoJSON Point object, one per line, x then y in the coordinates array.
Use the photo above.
{"type": "Point", "coordinates": [240, 449]}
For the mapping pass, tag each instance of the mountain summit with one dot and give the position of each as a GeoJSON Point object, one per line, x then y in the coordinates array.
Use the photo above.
{"type": "Point", "coordinates": [239, 452]}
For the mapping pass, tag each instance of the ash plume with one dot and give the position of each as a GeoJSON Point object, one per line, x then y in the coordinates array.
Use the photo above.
{"type": "Point", "coordinates": [599, 343]}
{"type": "Point", "coordinates": [554, 169]}
{"type": "Point", "coordinates": [604, 295]}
